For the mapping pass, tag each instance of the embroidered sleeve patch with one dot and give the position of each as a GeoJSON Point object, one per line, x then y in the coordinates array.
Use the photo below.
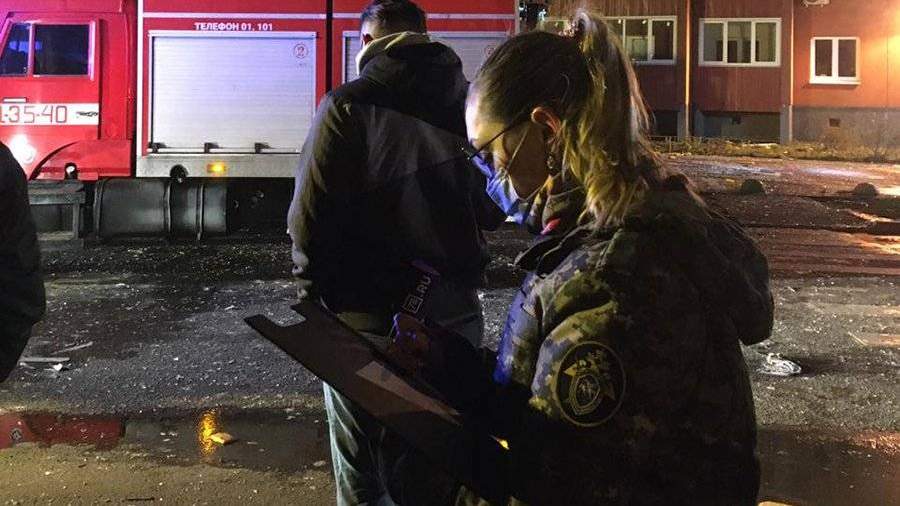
{"type": "Point", "coordinates": [590, 384]}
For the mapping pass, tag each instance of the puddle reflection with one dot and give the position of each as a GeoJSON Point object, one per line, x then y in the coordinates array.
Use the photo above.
{"type": "Point", "coordinates": [46, 429]}
{"type": "Point", "coordinates": [265, 441]}
{"type": "Point", "coordinates": [798, 468]}
{"type": "Point", "coordinates": [206, 427]}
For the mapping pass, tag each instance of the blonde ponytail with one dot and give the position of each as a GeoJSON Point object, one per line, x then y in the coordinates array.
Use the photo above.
{"type": "Point", "coordinates": [587, 79]}
{"type": "Point", "coordinates": [604, 143]}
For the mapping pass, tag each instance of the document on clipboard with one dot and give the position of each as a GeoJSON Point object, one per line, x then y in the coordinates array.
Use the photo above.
{"type": "Point", "coordinates": [410, 408]}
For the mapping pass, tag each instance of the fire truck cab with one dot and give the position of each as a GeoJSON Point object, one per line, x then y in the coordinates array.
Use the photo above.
{"type": "Point", "coordinates": [166, 109]}
{"type": "Point", "coordinates": [61, 64]}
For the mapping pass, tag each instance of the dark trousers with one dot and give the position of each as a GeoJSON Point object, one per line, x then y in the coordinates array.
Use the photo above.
{"type": "Point", "coordinates": [12, 342]}
{"type": "Point", "coordinates": [363, 452]}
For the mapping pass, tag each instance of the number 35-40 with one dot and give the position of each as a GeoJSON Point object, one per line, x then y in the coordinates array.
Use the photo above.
{"type": "Point", "coordinates": [34, 114]}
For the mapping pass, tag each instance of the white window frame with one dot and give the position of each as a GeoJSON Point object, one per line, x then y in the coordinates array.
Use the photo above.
{"type": "Point", "coordinates": [546, 21]}
{"type": "Point", "coordinates": [834, 78]}
{"type": "Point", "coordinates": [650, 44]}
{"type": "Point", "coordinates": [701, 46]}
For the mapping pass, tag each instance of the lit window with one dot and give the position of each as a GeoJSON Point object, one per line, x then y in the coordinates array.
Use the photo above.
{"type": "Point", "coordinates": [61, 50]}
{"type": "Point", "coordinates": [636, 39]}
{"type": "Point", "coordinates": [553, 25]}
{"type": "Point", "coordinates": [646, 39]}
{"type": "Point", "coordinates": [834, 60]}
{"type": "Point", "coordinates": [740, 42]}
{"type": "Point", "coordinates": [14, 61]}
{"type": "Point", "coordinates": [713, 36]}
{"type": "Point", "coordinates": [766, 42]}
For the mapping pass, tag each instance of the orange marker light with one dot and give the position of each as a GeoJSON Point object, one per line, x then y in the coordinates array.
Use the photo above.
{"type": "Point", "coordinates": [216, 168]}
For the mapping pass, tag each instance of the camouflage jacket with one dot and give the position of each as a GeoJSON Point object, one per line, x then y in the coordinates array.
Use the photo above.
{"type": "Point", "coordinates": [623, 350]}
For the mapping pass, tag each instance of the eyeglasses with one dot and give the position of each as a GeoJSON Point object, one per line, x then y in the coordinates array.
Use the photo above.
{"type": "Point", "coordinates": [477, 156]}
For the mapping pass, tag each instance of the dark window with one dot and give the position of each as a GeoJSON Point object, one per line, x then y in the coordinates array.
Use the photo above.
{"type": "Point", "coordinates": [14, 61]}
{"type": "Point", "coordinates": [616, 26]}
{"type": "Point", "coordinates": [823, 57]}
{"type": "Point", "coordinates": [645, 39]}
{"type": "Point", "coordinates": [61, 50]}
{"type": "Point", "coordinates": [846, 58]}
{"type": "Point", "coordinates": [663, 40]}
{"type": "Point", "coordinates": [834, 60]}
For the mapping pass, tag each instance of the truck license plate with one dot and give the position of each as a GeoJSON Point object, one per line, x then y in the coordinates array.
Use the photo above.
{"type": "Point", "coordinates": [49, 114]}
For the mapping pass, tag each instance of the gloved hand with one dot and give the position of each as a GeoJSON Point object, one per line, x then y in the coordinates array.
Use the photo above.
{"type": "Point", "coordinates": [443, 359]}
{"type": "Point", "coordinates": [411, 345]}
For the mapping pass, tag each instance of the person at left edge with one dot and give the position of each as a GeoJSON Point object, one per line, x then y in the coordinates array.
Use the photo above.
{"type": "Point", "coordinates": [22, 301]}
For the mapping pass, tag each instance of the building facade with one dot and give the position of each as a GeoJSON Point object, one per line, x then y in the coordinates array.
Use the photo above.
{"type": "Point", "coordinates": [762, 70]}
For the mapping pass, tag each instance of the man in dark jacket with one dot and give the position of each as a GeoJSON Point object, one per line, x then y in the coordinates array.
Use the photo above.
{"type": "Point", "coordinates": [383, 183]}
{"type": "Point", "coordinates": [21, 286]}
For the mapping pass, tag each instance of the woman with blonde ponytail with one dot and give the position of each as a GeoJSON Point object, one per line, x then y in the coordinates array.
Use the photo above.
{"type": "Point", "coordinates": [619, 378]}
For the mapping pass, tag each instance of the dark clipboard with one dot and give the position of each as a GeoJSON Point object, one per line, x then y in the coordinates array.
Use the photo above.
{"type": "Point", "coordinates": [407, 406]}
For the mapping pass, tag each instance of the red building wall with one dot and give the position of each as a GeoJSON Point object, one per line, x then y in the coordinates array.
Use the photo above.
{"type": "Point", "coordinates": [731, 88]}
{"type": "Point", "coordinates": [773, 90]}
{"type": "Point", "coordinates": [737, 8]}
{"type": "Point", "coordinates": [877, 25]}
{"type": "Point", "coordinates": [660, 85]}
{"type": "Point", "coordinates": [741, 89]}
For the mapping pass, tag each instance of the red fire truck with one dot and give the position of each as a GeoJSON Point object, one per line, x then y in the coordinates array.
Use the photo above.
{"type": "Point", "coordinates": [163, 109]}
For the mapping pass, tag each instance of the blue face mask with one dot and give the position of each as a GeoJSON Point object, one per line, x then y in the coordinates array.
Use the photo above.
{"type": "Point", "coordinates": [501, 190]}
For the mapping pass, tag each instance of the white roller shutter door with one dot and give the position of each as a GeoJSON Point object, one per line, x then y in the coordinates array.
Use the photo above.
{"type": "Point", "coordinates": [471, 47]}
{"type": "Point", "coordinates": [351, 49]}
{"type": "Point", "coordinates": [232, 90]}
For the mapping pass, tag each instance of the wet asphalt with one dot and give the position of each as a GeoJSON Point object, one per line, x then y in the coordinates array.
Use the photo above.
{"type": "Point", "coordinates": [799, 466]}
{"type": "Point", "coordinates": [163, 358]}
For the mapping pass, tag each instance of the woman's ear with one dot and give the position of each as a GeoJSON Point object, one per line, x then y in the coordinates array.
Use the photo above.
{"type": "Point", "coordinates": [547, 118]}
